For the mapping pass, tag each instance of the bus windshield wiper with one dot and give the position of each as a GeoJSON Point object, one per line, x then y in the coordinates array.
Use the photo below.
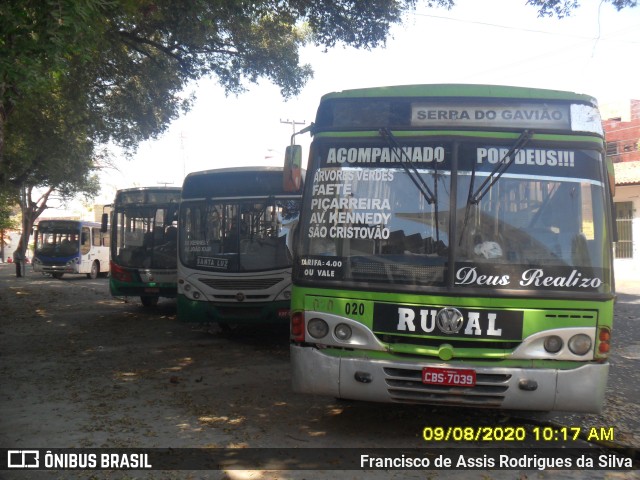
{"type": "Point", "coordinates": [409, 167]}
{"type": "Point", "coordinates": [414, 175]}
{"type": "Point", "coordinates": [500, 168]}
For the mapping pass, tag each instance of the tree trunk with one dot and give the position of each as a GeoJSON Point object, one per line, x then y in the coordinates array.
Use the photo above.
{"type": "Point", "coordinates": [31, 210]}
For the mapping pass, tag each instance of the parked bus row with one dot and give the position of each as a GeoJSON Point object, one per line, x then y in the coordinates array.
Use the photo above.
{"type": "Point", "coordinates": [221, 244]}
{"type": "Point", "coordinates": [452, 245]}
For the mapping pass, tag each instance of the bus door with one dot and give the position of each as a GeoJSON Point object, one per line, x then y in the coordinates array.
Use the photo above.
{"type": "Point", "coordinates": [85, 250]}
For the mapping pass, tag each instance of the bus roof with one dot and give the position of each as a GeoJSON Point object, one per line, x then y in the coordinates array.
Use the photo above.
{"type": "Point", "coordinates": [160, 188]}
{"type": "Point", "coordinates": [453, 90]}
{"type": "Point", "coordinates": [234, 182]}
{"type": "Point", "coordinates": [148, 195]}
{"type": "Point", "coordinates": [68, 223]}
{"type": "Point", "coordinates": [458, 106]}
{"type": "Point", "coordinates": [216, 171]}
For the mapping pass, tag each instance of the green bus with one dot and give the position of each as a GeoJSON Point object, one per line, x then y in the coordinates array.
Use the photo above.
{"type": "Point", "coordinates": [455, 248]}
{"type": "Point", "coordinates": [144, 236]}
{"type": "Point", "coordinates": [234, 259]}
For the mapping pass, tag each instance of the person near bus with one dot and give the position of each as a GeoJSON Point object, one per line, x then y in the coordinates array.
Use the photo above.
{"type": "Point", "coordinates": [18, 259]}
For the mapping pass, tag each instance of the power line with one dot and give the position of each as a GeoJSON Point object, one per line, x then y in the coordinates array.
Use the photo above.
{"type": "Point", "coordinates": [532, 30]}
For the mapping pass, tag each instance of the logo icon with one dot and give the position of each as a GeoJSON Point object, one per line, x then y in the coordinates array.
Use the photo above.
{"type": "Point", "coordinates": [449, 320]}
{"type": "Point", "coordinates": [23, 459]}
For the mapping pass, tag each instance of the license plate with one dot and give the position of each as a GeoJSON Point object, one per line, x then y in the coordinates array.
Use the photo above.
{"type": "Point", "coordinates": [151, 290]}
{"type": "Point", "coordinates": [450, 377]}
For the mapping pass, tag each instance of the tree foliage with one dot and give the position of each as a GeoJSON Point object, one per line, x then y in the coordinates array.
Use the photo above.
{"type": "Point", "coordinates": [564, 8]}
{"type": "Point", "coordinates": [129, 60]}
{"type": "Point", "coordinates": [132, 59]}
{"type": "Point", "coordinates": [49, 152]}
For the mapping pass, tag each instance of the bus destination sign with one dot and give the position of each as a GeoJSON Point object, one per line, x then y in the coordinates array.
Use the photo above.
{"type": "Point", "coordinates": [512, 115]}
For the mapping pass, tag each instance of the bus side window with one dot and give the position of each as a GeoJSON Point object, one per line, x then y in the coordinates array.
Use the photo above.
{"type": "Point", "coordinates": [86, 241]}
{"type": "Point", "coordinates": [95, 233]}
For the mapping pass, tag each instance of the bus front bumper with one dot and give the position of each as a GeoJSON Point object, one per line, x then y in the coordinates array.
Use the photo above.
{"type": "Point", "coordinates": [53, 269]}
{"type": "Point", "coordinates": [581, 389]}
{"type": "Point", "coordinates": [232, 312]}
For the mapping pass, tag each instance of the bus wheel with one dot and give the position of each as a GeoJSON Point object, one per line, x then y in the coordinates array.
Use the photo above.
{"type": "Point", "coordinates": [95, 270]}
{"type": "Point", "coordinates": [57, 275]}
{"type": "Point", "coordinates": [149, 301]}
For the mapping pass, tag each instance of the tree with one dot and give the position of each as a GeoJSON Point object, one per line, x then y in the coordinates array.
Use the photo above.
{"type": "Point", "coordinates": [119, 67]}
{"type": "Point", "coordinates": [8, 211]}
{"type": "Point", "coordinates": [51, 151]}
{"type": "Point", "coordinates": [36, 40]}
{"type": "Point", "coordinates": [564, 8]}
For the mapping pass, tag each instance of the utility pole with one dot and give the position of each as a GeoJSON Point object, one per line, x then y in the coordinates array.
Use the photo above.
{"type": "Point", "coordinates": [293, 124]}
{"type": "Point", "coordinates": [184, 155]}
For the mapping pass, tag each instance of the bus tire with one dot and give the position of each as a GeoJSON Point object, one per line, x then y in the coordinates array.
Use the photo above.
{"type": "Point", "coordinates": [95, 271]}
{"type": "Point", "coordinates": [149, 302]}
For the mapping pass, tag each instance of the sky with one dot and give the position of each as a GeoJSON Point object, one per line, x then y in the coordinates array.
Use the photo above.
{"type": "Point", "coordinates": [501, 42]}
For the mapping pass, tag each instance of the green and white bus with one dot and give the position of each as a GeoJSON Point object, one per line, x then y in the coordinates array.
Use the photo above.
{"type": "Point", "coordinates": [144, 235]}
{"type": "Point", "coordinates": [234, 263]}
{"type": "Point", "coordinates": [454, 248]}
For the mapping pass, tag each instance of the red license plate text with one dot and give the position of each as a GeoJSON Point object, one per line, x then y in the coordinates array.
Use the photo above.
{"type": "Point", "coordinates": [451, 377]}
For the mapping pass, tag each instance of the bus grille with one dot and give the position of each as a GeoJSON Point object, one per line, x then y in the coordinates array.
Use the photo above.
{"type": "Point", "coordinates": [405, 386]}
{"type": "Point", "coordinates": [398, 273]}
{"type": "Point", "coordinates": [241, 284]}
{"type": "Point", "coordinates": [55, 263]}
{"type": "Point", "coordinates": [436, 342]}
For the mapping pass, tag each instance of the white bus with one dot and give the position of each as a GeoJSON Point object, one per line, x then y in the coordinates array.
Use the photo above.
{"type": "Point", "coordinates": [71, 246]}
{"type": "Point", "coordinates": [234, 261]}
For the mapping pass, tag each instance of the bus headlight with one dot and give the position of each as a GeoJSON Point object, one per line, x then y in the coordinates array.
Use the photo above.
{"type": "Point", "coordinates": [580, 344]}
{"type": "Point", "coordinates": [553, 344]}
{"type": "Point", "coordinates": [342, 332]}
{"type": "Point", "coordinates": [317, 328]}
{"type": "Point", "coordinates": [189, 290]}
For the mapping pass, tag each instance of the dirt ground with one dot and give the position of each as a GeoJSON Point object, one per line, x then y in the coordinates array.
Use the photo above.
{"type": "Point", "coordinates": [79, 368]}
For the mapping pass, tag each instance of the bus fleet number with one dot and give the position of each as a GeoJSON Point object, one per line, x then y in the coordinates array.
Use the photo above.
{"type": "Point", "coordinates": [354, 308]}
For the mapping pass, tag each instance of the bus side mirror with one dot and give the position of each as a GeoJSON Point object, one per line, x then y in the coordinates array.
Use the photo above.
{"type": "Point", "coordinates": [105, 223]}
{"type": "Point", "coordinates": [292, 174]}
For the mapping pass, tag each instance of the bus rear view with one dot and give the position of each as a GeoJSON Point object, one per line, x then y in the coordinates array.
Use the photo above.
{"type": "Point", "coordinates": [455, 248]}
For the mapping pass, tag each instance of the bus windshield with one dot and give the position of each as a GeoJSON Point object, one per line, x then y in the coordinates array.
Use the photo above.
{"type": "Point", "coordinates": [246, 235]}
{"type": "Point", "coordinates": [57, 241]}
{"type": "Point", "coordinates": [145, 236]}
{"type": "Point", "coordinates": [540, 226]}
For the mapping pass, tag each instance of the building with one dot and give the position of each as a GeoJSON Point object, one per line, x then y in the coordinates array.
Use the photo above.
{"type": "Point", "coordinates": [623, 147]}
{"type": "Point", "coordinates": [623, 144]}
